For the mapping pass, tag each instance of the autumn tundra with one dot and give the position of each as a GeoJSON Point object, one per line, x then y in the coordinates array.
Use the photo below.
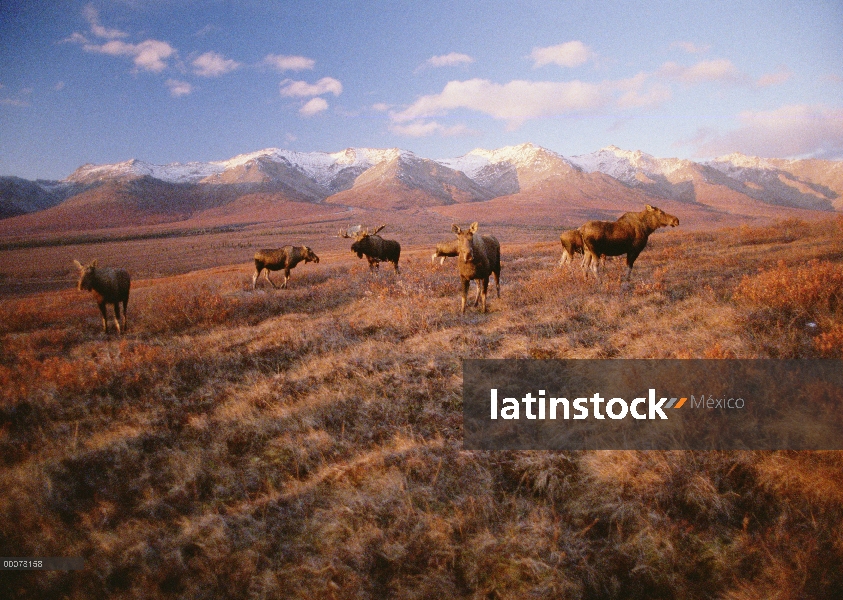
{"type": "Point", "coordinates": [108, 286]}
{"type": "Point", "coordinates": [275, 259]}
{"type": "Point", "coordinates": [628, 235]}
{"type": "Point", "coordinates": [479, 257]}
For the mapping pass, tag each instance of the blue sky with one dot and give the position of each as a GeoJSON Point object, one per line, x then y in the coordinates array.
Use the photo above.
{"type": "Point", "coordinates": [174, 81]}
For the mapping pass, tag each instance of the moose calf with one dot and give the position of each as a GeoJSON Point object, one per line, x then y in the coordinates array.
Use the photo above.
{"type": "Point", "coordinates": [107, 286]}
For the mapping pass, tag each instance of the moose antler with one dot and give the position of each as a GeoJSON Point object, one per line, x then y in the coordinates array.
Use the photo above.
{"type": "Point", "coordinates": [350, 232]}
{"type": "Point", "coordinates": [378, 229]}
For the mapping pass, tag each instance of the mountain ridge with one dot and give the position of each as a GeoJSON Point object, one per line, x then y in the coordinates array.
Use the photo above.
{"type": "Point", "coordinates": [394, 179]}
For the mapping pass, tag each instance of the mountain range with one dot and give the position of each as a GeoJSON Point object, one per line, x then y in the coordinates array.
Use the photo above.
{"type": "Point", "coordinates": [524, 181]}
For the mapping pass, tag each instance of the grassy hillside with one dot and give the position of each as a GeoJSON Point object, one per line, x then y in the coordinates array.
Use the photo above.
{"type": "Point", "coordinates": [307, 442]}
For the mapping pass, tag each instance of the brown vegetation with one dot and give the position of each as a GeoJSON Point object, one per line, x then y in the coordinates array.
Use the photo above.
{"type": "Point", "coordinates": [239, 444]}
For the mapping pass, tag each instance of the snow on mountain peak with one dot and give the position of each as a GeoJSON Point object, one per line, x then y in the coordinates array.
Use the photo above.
{"type": "Point", "coordinates": [520, 156]}
{"type": "Point", "coordinates": [625, 164]}
{"type": "Point", "coordinates": [736, 160]}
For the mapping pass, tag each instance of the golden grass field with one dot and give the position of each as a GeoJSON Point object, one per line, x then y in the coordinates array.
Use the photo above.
{"type": "Point", "coordinates": [307, 443]}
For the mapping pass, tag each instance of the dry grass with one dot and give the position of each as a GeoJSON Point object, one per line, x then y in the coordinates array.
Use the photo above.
{"type": "Point", "coordinates": [307, 442]}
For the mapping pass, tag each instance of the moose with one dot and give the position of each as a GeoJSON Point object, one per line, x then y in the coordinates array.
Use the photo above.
{"type": "Point", "coordinates": [445, 250]}
{"type": "Point", "coordinates": [628, 235]}
{"type": "Point", "coordinates": [373, 246]}
{"type": "Point", "coordinates": [478, 258]}
{"type": "Point", "coordinates": [275, 259]}
{"type": "Point", "coordinates": [571, 241]}
{"type": "Point", "coordinates": [107, 286]}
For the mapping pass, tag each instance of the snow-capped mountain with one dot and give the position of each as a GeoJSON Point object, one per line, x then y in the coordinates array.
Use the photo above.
{"type": "Point", "coordinates": [397, 179]}
{"type": "Point", "coordinates": [812, 184]}
{"type": "Point", "coordinates": [630, 167]}
{"type": "Point", "coordinates": [510, 169]}
{"type": "Point", "coordinates": [322, 167]}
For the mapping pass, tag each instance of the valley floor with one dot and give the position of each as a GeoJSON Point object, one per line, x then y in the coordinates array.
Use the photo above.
{"type": "Point", "coordinates": [308, 442]}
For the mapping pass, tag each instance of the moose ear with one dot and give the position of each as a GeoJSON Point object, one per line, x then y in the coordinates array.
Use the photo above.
{"type": "Point", "coordinates": [473, 227]}
{"type": "Point", "coordinates": [456, 228]}
{"type": "Point", "coordinates": [649, 207]}
{"type": "Point", "coordinates": [79, 265]}
{"type": "Point", "coordinates": [93, 265]}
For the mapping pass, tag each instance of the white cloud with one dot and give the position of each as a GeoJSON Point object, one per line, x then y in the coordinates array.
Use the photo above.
{"type": "Point", "coordinates": [448, 60]}
{"type": "Point", "coordinates": [720, 70]}
{"type": "Point", "coordinates": [313, 106]}
{"type": "Point", "coordinates": [779, 77]}
{"type": "Point", "coordinates": [569, 54]}
{"type": "Point", "coordinates": [691, 47]}
{"type": "Point", "coordinates": [380, 107]}
{"type": "Point", "coordinates": [206, 30]}
{"type": "Point", "coordinates": [289, 63]}
{"type": "Point", "coordinates": [302, 89]}
{"type": "Point", "coordinates": [13, 102]}
{"type": "Point", "coordinates": [513, 102]}
{"type": "Point", "coordinates": [149, 55]}
{"type": "Point", "coordinates": [212, 64]}
{"type": "Point", "coordinates": [179, 88]}
{"type": "Point", "coordinates": [790, 131]}
{"type": "Point", "coordinates": [92, 16]}
{"type": "Point", "coordinates": [75, 38]}
{"type": "Point", "coordinates": [428, 128]}
{"type": "Point", "coordinates": [20, 99]}
{"type": "Point", "coordinates": [518, 101]}
{"type": "Point", "coordinates": [640, 92]}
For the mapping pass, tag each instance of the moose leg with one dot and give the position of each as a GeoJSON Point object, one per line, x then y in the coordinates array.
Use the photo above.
{"type": "Point", "coordinates": [396, 266]}
{"type": "Point", "coordinates": [498, 283]}
{"type": "Point", "coordinates": [586, 262]}
{"type": "Point", "coordinates": [286, 277]}
{"type": "Point", "coordinates": [266, 275]}
{"type": "Point", "coordinates": [117, 317]}
{"type": "Point", "coordinates": [477, 295]}
{"type": "Point", "coordinates": [102, 312]}
{"type": "Point", "coordinates": [255, 278]}
{"type": "Point", "coordinates": [484, 288]}
{"type": "Point", "coordinates": [630, 260]}
{"type": "Point", "coordinates": [464, 293]}
{"type": "Point", "coordinates": [125, 313]}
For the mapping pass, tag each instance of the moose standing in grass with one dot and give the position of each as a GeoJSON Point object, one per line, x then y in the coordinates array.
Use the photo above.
{"type": "Point", "coordinates": [107, 286]}
{"type": "Point", "coordinates": [276, 259]}
{"type": "Point", "coordinates": [479, 257]}
{"type": "Point", "coordinates": [628, 235]}
{"type": "Point", "coordinates": [373, 247]}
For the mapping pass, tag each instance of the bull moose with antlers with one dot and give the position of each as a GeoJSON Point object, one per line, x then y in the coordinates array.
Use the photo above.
{"type": "Point", "coordinates": [373, 247]}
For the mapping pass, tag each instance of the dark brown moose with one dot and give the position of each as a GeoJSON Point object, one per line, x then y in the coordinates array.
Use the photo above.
{"type": "Point", "coordinates": [571, 244]}
{"type": "Point", "coordinates": [107, 286]}
{"type": "Point", "coordinates": [275, 259]}
{"type": "Point", "coordinates": [628, 235]}
{"type": "Point", "coordinates": [445, 250]}
{"type": "Point", "coordinates": [479, 257]}
{"type": "Point", "coordinates": [373, 247]}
